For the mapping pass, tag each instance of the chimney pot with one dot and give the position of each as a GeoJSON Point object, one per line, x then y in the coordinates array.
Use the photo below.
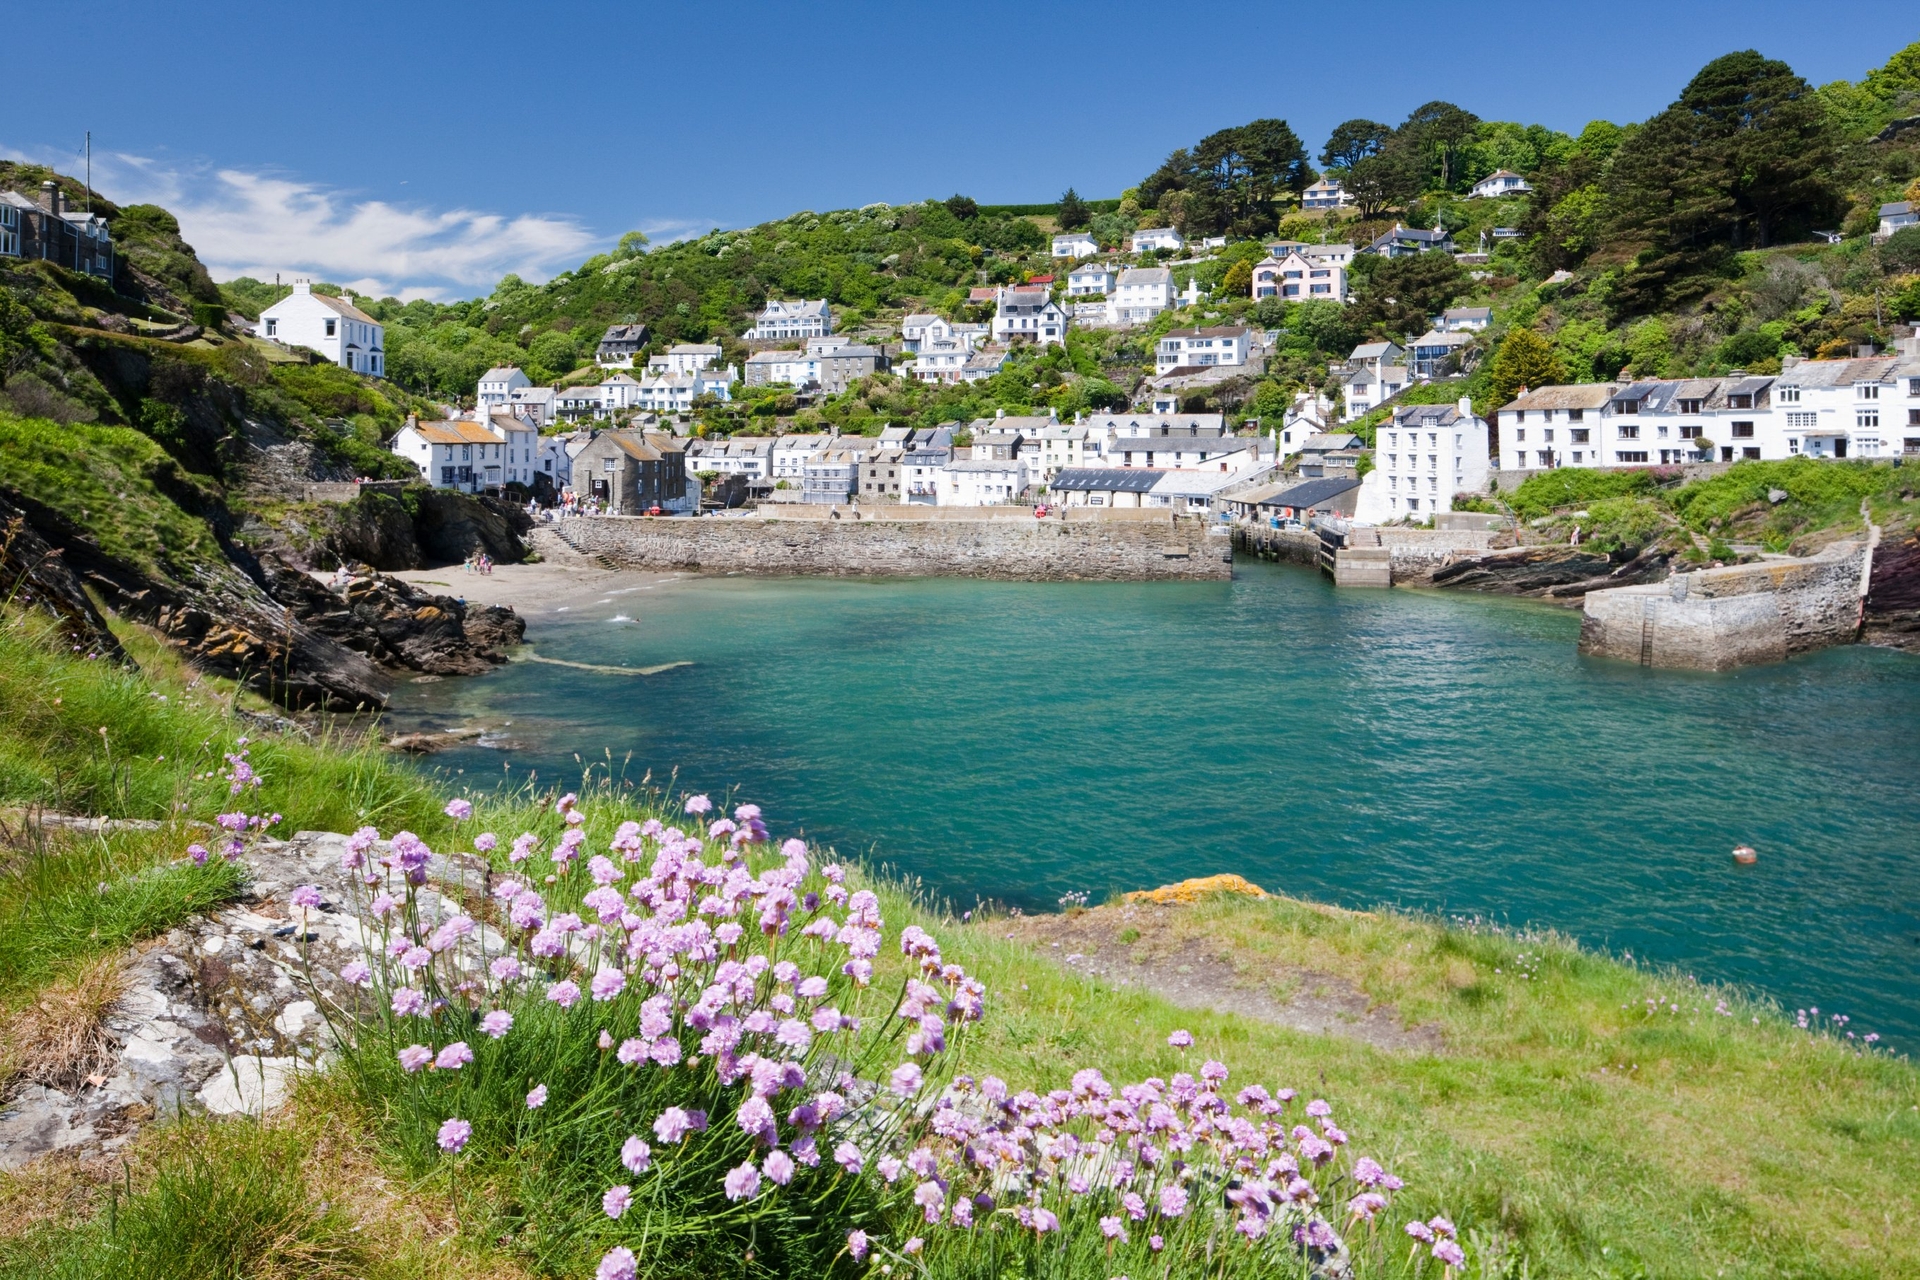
{"type": "Point", "coordinates": [49, 196]}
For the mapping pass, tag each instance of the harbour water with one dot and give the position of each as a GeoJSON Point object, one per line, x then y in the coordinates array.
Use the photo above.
{"type": "Point", "coordinates": [1017, 741]}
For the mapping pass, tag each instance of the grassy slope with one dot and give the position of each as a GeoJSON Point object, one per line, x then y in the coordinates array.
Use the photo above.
{"type": "Point", "coordinates": [1593, 1137]}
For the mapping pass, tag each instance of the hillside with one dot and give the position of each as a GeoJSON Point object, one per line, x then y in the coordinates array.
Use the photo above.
{"type": "Point", "coordinates": [1678, 245]}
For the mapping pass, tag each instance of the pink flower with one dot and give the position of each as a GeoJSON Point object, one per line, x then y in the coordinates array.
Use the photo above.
{"type": "Point", "coordinates": [848, 1157]}
{"type": "Point", "coordinates": [407, 1002]}
{"type": "Point", "coordinates": [505, 969]}
{"type": "Point", "coordinates": [698, 805]}
{"type": "Point", "coordinates": [1156, 1243]}
{"type": "Point", "coordinates": [672, 1125]}
{"type": "Point", "coordinates": [356, 972]}
{"type": "Point", "coordinates": [743, 1181]}
{"type": "Point", "coordinates": [636, 1154]}
{"type": "Point", "coordinates": [1420, 1231]}
{"type": "Point", "coordinates": [306, 897]}
{"type": "Point", "coordinates": [1114, 1229]}
{"type": "Point", "coordinates": [1173, 1200]}
{"type": "Point", "coordinates": [755, 1118]}
{"type": "Point", "coordinates": [930, 1197]}
{"type": "Point", "coordinates": [1450, 1253]}
{"type": "Point", "coordinates": [414, 1057]}
{"type": "Point", "coordinates": [1136, 1207]}
{"type": "Point", "coordinates": [665, 1051]}
{"type": "Point", "coordinates": [486, 842]}
{"type": "Point", "coordinates": [564, 993]}
{"type": "Point", "coordinates": [199, 854]}
{"type": "Point", "coordinates": [497, 1023]}
{"type": "Point", "coordinates": [459, 809]}
{"type": "Point", "coordinates": [1180, 1039]}
{"type": "Point", "coordinates": [632, 1051]}
{"type": "Point", "coordinates": [1319, 1107]}
{"type": "Point", "coordinates": [454, 1056]}
{"type": "Point", "coordinates": [778, 1167]}
{"type": "Point", "coordinates": [1441, 1226]}
{"type": "Point", "coordinates": [906, 1079]}
{"type": "Point", "coordinates": [615, 1202]}
{"type": "Point", "coordinates": [454, 1135]}
{"type": "Point", "coordinates": [914, 1245]}
{"type": "Point", "coordinates": [608, 983]}
{"type": "Point", "coordinates": [1366, 1205]}
{"type": "Point", "coordinates": [619, 1264]}
{"type": "Point", "coordinates": [536, 1097]}
{"type": "Point", "coordinates": [857, 1244]}
{"type": "Point", "coordinates": [1044, 1221]}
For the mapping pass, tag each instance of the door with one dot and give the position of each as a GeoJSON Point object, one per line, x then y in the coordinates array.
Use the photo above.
{"type": "Point", "coordinates": [1840, 447]}
{"type": "Point", "coordinates": [599, 490]}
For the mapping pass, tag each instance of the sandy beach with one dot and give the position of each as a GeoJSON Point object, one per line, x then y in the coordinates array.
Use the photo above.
{"type": "Point", "coordinates": [533, 590]}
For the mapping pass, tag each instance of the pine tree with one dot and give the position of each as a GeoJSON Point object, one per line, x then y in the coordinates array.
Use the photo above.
{"type": "Point", "coordinates": [1073, 213]}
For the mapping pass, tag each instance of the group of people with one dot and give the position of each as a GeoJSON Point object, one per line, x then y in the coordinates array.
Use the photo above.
{"type": "Point", "coordinates": [479, 562]}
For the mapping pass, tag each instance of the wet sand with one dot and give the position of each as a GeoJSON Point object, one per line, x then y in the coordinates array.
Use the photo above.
{"type": "Point", "coordinates": [533, 590]}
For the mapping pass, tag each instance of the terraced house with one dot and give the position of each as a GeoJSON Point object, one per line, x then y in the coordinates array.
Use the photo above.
{"type": "Point", "coordinates": [633, 473]}
{"type": "Point", "coordinates": [48, 229]}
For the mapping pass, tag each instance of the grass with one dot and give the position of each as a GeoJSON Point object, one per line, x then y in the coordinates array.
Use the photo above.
{"type": "Point", "coordinates": [1587, 1117]}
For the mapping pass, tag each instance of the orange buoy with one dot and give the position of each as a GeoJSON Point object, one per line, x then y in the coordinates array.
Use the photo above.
{"type": "Point", "coordinates": [1745, 855]}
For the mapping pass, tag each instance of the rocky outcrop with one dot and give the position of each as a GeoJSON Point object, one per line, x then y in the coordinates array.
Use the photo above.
{"type": "Point", "coordinates": [1892, 616]}
{"type": "Point", "coordinates": [452, 526]}
{"type": "Point", "coordinates": [224, 1012]}
{"type": "Point", "coordinates": [396, 624]}
{"type": "Point", "coordinates": [35, 575]}
{"type": "Point", "coordinates": [376, 530]}
{"type": "Point", "coordinates": [1554, 572]}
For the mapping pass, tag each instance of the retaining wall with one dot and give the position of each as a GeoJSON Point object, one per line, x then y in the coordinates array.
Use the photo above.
{"type": "Point", "coordinates": [1048, 550]}
{"type": "Point", "coordinates": [1717, 619]}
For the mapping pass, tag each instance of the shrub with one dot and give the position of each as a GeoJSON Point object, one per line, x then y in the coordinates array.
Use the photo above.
{"type": "Point", "coordinates": [1574, 486]}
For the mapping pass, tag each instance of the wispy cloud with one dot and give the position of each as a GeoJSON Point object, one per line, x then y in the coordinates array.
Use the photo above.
{"type": "Point", "coordinates": [257, 224]}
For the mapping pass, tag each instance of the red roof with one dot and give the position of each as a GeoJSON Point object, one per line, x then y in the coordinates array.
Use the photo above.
{"type": "Point", "coordinates": [1041, 280]}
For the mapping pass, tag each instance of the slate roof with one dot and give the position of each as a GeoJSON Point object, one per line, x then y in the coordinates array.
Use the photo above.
{"type": "Point", "coordinates": [1107, 479]}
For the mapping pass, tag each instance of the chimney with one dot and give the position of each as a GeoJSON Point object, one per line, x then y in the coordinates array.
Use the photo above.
{"type": "Point", "coordinates": [303, 286]}
{"type": "Point", "coordinates": [50, 196]}
{"type": "Point", "coordinates": [1466, 407]}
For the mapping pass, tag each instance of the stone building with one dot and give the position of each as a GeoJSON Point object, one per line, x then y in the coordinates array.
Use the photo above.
{"type": "Point", "coordinates": [633, 472]}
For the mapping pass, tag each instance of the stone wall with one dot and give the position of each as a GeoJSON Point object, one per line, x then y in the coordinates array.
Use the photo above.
{"type": "Point", "coordinates": [1030, 549]}
{"type": "Point", "coordinates": [1717, 619]}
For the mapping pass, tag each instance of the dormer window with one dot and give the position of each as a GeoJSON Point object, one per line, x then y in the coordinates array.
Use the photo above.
{"type": "Point", "coordinates": [1869, 391]}
{"type": "Point", "coordinates": [1689, 406]}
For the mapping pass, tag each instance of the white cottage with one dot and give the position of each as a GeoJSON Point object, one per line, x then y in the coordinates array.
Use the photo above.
{"type": "Point", "coordinates": [334, 327]}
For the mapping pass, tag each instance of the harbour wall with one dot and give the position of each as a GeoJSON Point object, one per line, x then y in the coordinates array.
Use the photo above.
{"type": "Point", "coordinates": [1024, 548]}
{"type": "Point", "coordinates": [1717, 619]}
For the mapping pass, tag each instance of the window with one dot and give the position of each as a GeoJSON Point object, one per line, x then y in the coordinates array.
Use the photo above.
{"type": "Point", "coordinates": [1546, 435]}
{"type": "Point", "coordinates": [1581, 435]}
{"type": "Point", "coordinates": [1630, 433]}
{"type": "Point", "coordinates": [606, 465]}
{"type": "Point", "coordinates": [1631, 455]}
{"type": "Point", "coordinates": [1519, 415]}
{"type": "Point", "coordinates": [1802, 421]}
{"type": "Point", "coordinates": [1869, 391]}
{"type": "Point", "coordinates": [1520, 434]}
{"type": "Point", "coordinates": [1911, 445]}
{"type": "Point", "coordinates": [331, 325]}
{"type": "Point", "coordinates": [1661, 431]}
{"type": "Point", "coordinates": [273, 328]}
{"type": "Point", "coordinates": [1913, 386]}
{"type": "Point", "coordinates": [1751, 453]}
{"type": "Point", "coordinates": [1788, 395]}
{"type": "Point", "coordinates": [1576, 415]}
{"type": "Point", "coordinates": [1690, 406]}
{"type": "Point", "coordinates": [1866, 417]}
{"type": "Point", "coordinates": [1690, 432]}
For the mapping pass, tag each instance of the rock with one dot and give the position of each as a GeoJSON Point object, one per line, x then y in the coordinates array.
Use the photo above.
{"type": "Point", "coordinates": [1892, 615]}
{"type": "Point", "coordinates": [395, 623]}
{"type": "Point", "coordinates": [376, 529]}
{"type": "Point", "coordinates": [452, 526]}
{"type": "Point", "coordinates": [34, 575]}
{"type": "Point", "coordinates": [1556, 572]}
{"type": "Point", "coordinates": [1777, 496]}
{"type": "Point", "coordinates": [250, 1085]}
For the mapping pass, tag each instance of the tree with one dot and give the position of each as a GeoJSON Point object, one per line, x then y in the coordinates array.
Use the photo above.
{"type": "Point", "coordinates": [1233, 180]}
{"type": "Point", "coordinates": [1440, 132]}
{"type": "Point", "coordinates": [1380, 182]}
{"type": "Point", "coordinates": [1741, 159]}
{"type": "Point", "coordinates": [962, 207]}
{"type": "Point", "coordinates": [1399, 294]}
{"type": "Point", "coordinates": [1238, 282]}
{"type": "Point", "coordinates": [1074, 213]}
{"type": "Point", "coordinates": [1353, 141]}
{"type": "Point", "coordinates": [631, 244]}
{"type": "Point", "coordinates": [1525, 359]}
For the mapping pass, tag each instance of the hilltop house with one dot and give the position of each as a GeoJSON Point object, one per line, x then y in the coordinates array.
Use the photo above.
{"type": "Point", "coordinates": [1325, 194]}
{"type": "Point", "coordinates": [1075, 244]}
{"type": "Point", "coordinates": [1501, 182]}
{"type": "Point", "coordinates": [619, 345]}
{"type": "Point", "coordinates": [334, 327]}
{"type": "Point", "coordinates": [1404, 242]}
{"type": "Point", "coordinates": [1028, 314]}
{"type": "Point", "coordinates": [1089, 279]}
{"type": "Point", "coordinates": [497, 386]}
{"type": "Point", "coordinates": [1300, 278]}
{"type": "Point", "coordinates": [1188, 349]}
{"type": "Point", "coordinates": [1463, 319]}
{"type": "Point", "coordinates": [1140, 294]}
{"type": "Point", "coordinates": [633, 472]}
{"type": "Point", "coordinates": [50, 230]}
{"type": "Point", "coordinates": [1157, 238]}
{"type": "Point", "coordinates": [792, 320]}
{"type": "Point", "coordinates": [686, 357]}
{"type": "Point", "coordinates": [1894, 217]}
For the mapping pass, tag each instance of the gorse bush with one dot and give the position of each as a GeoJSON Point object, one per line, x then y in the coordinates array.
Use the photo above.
{"type": "Point", "coordinates": [693, 1053]}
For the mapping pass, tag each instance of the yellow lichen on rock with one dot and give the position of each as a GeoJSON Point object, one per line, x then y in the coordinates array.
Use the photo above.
{"type": "Point", "coordinates": [1194, 890]}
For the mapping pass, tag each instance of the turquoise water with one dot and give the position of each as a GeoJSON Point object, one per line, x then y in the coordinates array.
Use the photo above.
{"type": "Point", "coordinates": [1015, 741]}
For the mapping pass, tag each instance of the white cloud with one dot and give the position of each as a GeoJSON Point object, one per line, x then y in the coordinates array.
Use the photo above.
{"type": "Point", "coordinates": [244, 223]}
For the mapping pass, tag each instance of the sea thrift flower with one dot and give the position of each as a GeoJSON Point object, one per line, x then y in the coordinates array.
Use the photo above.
{"type": "Point", "coordinates": [306, 897]}
{"type": "Point", "coordinates": [414, 1057]}
{"type": "Point", "coordinates": [742, 1182]}
{"type": "Point", "coordinates": [698, 805]}
{"type": "Point", "coordinates": [906, 1079]}
{"type": "Point", "coordinates": [608, 983]}
{"type": "Point", "coordinates": [199, 854]}
{"type": "Point", "coordinates": [1319, 1107]}
{"type": "Point", "coordinates": [407, 1002]}
{"type": "Point", "coordinates": [1114, 1229]}
{"type": "Point", "coordinates": [1180, 1039]}
{"type": "Point", "coordinates": [1450, 1253]}
{"type": "Point", "coordinates": [382, 904]}
{"type": "Point", "coordinates": [778, 1166]}
{"type": "Point", "coordinates": [564, 993]}
{"type": "Point", "coordinates": [619, 1264]}
{"type": "Point", "coordinates": [486, 842]}
{"type": "Point", "coordinates": [1420, 1231]}
{"type": "Point", "coordinates": [636, 1155]}
{"type": "Point", "coordinates": [454, 1135]}
{"type": "Point", "coordinates": [497, 1023]}
{"type": "Point", "coordinates": [848, 1157]}
{"type": "Point", "coordinates": [505, 969]}
{"type": "Point", "coordinates": [857, 1245]}
{"type": "Point", "coordinates": [454, 1056]}
{"type": "Point", "coordinates": [1173, 1200]}
{"type": "Point", "coordinates": [672, 1125]}
{"type": "Point", "coordinates": [356, 972]}
{"type": "Point", "coordinates": [459, 809]}
{"type": "Point", "coordinates": [615, 1202]}
{"type": "Point", "coordinates": [536, 1097]}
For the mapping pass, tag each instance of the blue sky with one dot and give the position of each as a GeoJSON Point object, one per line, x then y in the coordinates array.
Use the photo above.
{"type": "Point", "coordinates": [429, 148]}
